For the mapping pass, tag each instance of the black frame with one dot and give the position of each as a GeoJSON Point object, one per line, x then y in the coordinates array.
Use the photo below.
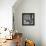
{"type": "Point", "coordinates": [26, 16]}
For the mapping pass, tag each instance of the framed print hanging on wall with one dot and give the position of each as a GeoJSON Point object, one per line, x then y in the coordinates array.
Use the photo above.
{"type": "Point", "coordinates": [28, 18]}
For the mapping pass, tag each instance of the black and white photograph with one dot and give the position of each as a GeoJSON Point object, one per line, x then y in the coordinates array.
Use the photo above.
{"type": "Point", "coordinates": [28, 19]}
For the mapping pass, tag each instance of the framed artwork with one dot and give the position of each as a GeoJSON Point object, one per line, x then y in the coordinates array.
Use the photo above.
{"type": "Point", "coordinates": [28, 18]}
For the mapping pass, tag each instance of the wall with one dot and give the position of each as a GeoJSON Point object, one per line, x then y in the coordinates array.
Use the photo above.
{"type": "Point", "coordinates": [29, 32]}
{"type": "Point", "coordinates": [6, 13]}
{"type": "Point", "coordinates": [43, 22]}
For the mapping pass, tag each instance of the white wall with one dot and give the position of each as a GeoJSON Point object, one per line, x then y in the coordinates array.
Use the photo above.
{"type": "Point", "coordinates": [43, 22]}
{"type": "Point", "coordinates": [30, 32]}
{"type": "Point", "coordinates": [6, 13]}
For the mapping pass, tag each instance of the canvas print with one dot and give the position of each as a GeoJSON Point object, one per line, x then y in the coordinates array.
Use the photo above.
{"type": "Point", "coordinates": [28, 19]}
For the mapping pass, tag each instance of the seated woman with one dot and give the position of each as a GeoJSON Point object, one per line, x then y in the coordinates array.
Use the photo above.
{"type": "Point", "coordinates": [29, 43]}
{"type": "Point", "coordinates": [18, 39]}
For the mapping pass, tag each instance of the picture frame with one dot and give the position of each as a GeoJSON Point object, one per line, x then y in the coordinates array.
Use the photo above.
{"type": "Point", "coordinates": [28, 18]}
